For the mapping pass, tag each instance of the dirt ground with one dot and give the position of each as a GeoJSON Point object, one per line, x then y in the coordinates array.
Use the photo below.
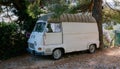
{"type": "Point", "coordinates": [108, 58]}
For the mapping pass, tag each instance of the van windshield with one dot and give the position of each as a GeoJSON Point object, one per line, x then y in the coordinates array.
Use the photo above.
{"type": "Point", "coordinates": [39, 27]}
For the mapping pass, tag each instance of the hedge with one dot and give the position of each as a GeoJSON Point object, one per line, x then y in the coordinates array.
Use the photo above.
{"type": "Point", "coordinates": [12, 42]}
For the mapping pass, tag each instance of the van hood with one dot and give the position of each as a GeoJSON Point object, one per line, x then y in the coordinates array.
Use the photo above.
{"type": "Point", "coordinates": [36, 37]}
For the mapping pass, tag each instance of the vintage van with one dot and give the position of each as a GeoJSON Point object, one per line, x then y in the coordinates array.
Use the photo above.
{"type": "Point", "coordinates": [68, 33]}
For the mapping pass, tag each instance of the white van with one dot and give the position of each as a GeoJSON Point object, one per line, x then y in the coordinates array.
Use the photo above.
{"type": "Point", "coordinates": [68, 33]}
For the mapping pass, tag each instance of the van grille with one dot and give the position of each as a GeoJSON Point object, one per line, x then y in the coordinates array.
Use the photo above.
{"type": "Point", "coordinates": [31, 45]}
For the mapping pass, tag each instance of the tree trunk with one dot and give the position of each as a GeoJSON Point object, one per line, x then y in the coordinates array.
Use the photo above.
{"type": "Point", "coordinates": [97, 14]}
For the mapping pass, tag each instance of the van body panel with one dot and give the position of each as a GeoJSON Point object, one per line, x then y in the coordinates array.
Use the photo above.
{"type": "Point", "coordinates": [70, 36]}
{"type": "Point", "coordinates": [53, 38]}
{"type": "Point", "coordinates": [77, 36]}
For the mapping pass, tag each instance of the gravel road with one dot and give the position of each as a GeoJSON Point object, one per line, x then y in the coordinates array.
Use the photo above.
{"type": "Point", "coordinates": [108, 58]}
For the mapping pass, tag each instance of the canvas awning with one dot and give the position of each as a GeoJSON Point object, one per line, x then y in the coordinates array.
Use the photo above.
{"type": "Point", "coordinates": [73, 18]}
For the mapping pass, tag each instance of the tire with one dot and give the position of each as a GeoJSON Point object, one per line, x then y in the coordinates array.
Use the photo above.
{"type": "Point", "coordinates": [57, 54]}
{"type": "Point", "coordinates": [92, 48]}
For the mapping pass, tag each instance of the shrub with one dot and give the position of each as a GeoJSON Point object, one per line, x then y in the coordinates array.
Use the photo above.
{"type": "Point", "coordinates": [12, 42]}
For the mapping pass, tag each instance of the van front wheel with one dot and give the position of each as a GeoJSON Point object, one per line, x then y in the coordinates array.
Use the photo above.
{"type": "Point", "coordinates": [92, 48]}
{"type": "Point", "coordinates": [57, 54]}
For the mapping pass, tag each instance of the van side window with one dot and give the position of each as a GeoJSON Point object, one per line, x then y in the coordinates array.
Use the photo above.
{"type": "Point", "coordinates": [49, 29]}
{"type": "Point", "coordinates": [54, 27]}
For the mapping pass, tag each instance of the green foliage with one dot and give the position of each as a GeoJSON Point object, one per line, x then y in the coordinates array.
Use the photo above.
{"type": "Point", "coordinates": [29, 24]}
{"type": "Point", "coordinates": [27, 13]}
{"type": "Point", "coordinates": [34, 9]}
{"type": "Point", "coordinates": [12, 42]}
{"type": "Point", "coordinates": [116, 17]}
{"type": "Point", "coordinates": [111, 15]}
{"type": "Point", "coordinates": [58, 9]}
{"type": "Point", "coordinates": [84, 2]}
{"type": "Point", "coordinates": [109, 26]}
{"type": "Point", "coordinates": [82, 5]}
{"type": "Point", "coordinates": [106, 43]}
{"type": "Point", "coordinates": [4, 0]}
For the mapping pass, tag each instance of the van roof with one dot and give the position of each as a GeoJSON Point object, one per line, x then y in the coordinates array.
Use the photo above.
{"type": "Point", "coordinates": [73, 18]}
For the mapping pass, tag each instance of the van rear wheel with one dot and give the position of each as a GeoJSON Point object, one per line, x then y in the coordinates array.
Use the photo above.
{"type": "Point", "coordinates": [57, 54]}
{"type": "Point", "coordinates": [92, 48]}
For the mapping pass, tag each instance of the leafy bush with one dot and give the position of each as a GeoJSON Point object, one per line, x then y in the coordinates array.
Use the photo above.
{"type": "Point", "coordinates": [12, 43]}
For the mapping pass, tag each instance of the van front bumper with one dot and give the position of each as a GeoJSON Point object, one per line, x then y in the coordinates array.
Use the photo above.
{"type": "Point", "coordinates": [35, 52]}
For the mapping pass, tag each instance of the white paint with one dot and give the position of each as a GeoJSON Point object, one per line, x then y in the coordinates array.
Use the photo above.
{"type": "Point", "coordinates": [75, 36]}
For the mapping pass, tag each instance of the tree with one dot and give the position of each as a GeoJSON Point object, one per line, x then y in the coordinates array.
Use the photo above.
{"type": "Point", "coordinates": [26, 10]}
{"type": "Point", "coordinates": [97, 13]}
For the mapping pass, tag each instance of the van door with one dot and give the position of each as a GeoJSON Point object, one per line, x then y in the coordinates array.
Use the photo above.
{"type": "Point", "coordinates": [53, 35]}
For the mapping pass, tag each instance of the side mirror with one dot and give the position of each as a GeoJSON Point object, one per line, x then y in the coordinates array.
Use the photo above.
{"type": "Point", "coordinates": [27, 34]}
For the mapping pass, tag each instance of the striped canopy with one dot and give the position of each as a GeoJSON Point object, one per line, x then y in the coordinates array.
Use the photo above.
{"type": "Point", "coordinates": [73, 18]}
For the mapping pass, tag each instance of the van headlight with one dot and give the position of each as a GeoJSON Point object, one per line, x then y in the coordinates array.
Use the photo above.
{"type": "Point", "coordinates": [35, 43]}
